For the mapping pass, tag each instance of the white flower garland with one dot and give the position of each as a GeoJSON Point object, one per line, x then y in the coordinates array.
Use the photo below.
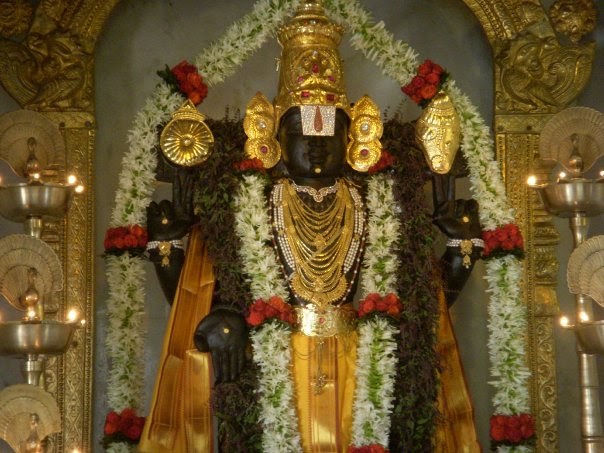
{"type": "Point", "coordinates": [397, 60]}
{"type": "Point", "coordinates": [270, 342]}
{"type": "Point", "coordinates": [380, 263]}
{"type": "Point", "coordinates": [376, 358]}
{"type": "Point", "coordinates": [374, 392]}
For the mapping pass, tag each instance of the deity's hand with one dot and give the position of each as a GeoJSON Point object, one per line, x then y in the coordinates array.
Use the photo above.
{"type": "Point", "coordinates": [457, 219]}
{"type": "Point", "coordinates": [224, 334]}
{"type": "Point", "coordinates": [172, 220]}
{"type": "Point", "coordinates": [168, 222]}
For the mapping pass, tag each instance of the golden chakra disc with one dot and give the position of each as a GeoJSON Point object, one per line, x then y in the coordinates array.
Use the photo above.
{"type": "Point", "coordinates": [186, 140]}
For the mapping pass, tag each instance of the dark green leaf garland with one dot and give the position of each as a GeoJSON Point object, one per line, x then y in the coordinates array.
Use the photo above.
{"type": "Point", "coordinates": [415, 410]}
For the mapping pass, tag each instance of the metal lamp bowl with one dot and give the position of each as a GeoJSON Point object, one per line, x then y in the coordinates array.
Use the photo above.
{"type": "Point", "coordinates": [18, 202]}
{"type": "Point", "coordinates": [591, 336]}
{"type": "Point", "coordinates": [565, 199]}
{"type": "Point", "coordinates": [20, 339]}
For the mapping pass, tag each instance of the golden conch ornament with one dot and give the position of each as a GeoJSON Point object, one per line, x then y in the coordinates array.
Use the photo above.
{"type": "Point", "coordinates": [437, 132]}
{"type": "Point", "coordinates": [186, 140]}
{"type": "Point", "coordinates": [364, 148]}
{"type": "Point", "coordinates": [259, 126]}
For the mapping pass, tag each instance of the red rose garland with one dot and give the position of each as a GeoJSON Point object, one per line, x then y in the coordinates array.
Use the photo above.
{"type": "Point", "coordinates": [512, 429]}
{"type": "Point", "coordinates": [386, 161]}
{"type": "Point", "coordinates": [185, 78]}
{"type": "Point", "coordinates": [376, 304]}
{"type": "Point", "coordinates": [262, 311]}
{"type": "Point", "coordinates": [131, 238]}
{"type": "Point", "coordinates": [428, 81]}
{"type": "Point", "coordinates": [123, 427]}
{"type": "Point", "coordinates": [253, 164]}
{"type": "Point", "coordinates": [503, 241]}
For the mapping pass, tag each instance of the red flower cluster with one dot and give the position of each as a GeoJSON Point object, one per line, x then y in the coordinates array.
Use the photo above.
{"type": "Point", "coordinates": [502, 241]}
{"type": "Point", "coordinates": [424, 86]}
{"type": "Point", "coordinates": [374, 303]}
{"type": "Point", "coordinates": [123, 427]}
{"type": "Point", "coordinates": [512, 429]}
{"type": "Point", "coordinates": [274, 308]}
{"type": "Point", "coordinates": [253, 164]}
{"type": "Point", "coordinates": [190, 82]}
{"type": "Point", "coordinates": [373, 448]}
{"type": "Point", "coordinates": [386, 160]}
{"type": "Point", "coordinates": [122, 239]}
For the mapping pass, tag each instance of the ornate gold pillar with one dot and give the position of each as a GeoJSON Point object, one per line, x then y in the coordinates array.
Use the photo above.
{"type": "Point", "coordinates": [46, 65]}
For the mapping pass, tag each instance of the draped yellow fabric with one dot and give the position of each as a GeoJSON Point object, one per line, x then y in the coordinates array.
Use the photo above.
{"type": "Point", "coordinates": [455, 430]}
{"type": "Point", "coordinates": [180, 418]}
{"type": "Point", "coordinates": [325, 418]}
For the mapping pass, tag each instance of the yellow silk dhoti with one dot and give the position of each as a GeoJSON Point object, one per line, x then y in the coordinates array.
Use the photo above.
{"type": "Point", "coordinates": [180, 419]}
{"type": "Point", "coordinates": [325, 417]}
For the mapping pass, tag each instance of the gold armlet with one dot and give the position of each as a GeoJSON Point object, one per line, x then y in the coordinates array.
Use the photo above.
{"type": "Point", "coordinates": [466, 246]}
{"type": "Point", "coordinates": [165, 249]}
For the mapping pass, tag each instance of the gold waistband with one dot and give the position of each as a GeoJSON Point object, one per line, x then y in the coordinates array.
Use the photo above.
{"type": "Point", "coordinates": [315, 322]}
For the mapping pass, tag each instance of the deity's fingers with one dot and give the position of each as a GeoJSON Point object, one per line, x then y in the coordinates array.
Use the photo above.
{"type": "Point", "coordinates": [217, 365]}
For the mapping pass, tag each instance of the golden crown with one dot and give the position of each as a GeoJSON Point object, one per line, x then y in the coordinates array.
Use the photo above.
{"type": "Point", "coordinates": [310, 66]}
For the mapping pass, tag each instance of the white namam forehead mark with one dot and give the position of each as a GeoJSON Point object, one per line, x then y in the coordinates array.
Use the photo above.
{"type": "Point", "coordinates": [318, 119]}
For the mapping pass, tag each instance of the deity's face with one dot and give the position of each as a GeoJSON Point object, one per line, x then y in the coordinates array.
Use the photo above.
{"type": "Point", "coordinates": [310, 157]}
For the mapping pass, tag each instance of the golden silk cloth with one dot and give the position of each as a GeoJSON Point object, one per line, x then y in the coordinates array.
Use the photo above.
{"type": "Point", "coordinates": [325, 418]}
{"type": "Point", "coordinates": [455, 429]}
{"type": "Point", "coordinates": [180, 419]}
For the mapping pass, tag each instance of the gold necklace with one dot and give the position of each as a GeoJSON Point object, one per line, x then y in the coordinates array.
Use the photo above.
{"type": "Point", "coordinates": [320, 245]}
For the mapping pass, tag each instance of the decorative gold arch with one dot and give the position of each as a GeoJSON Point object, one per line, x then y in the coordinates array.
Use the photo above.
{"type": "Point", "coordinates": [49, 69]}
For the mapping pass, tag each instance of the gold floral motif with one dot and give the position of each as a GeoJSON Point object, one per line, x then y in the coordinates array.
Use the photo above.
{"type": "Point", "coordinates": [573, 18]}
{"type": "Point", "coordinates": [15, 16]}
{"type": "Point", "coordinates": [538, 75]}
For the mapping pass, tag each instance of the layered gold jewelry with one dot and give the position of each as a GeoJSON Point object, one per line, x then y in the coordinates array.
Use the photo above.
{"type": "Point", "coordinates": [320, 244]}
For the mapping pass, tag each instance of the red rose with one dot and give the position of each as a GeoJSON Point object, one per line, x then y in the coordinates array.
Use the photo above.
{"type": "Point", "coordinates": [111, 423]}
{"type": "Point", "coordinates": [138, 231]}
{"type": "Point", "coordinates": [416, 98]}
{"type": "Point", "coordinates": [195, 97]}
{"type": "Point", "coordinates": [527, 431]}
{"type": "Point", "coordinates": [418, 82]}
{"type": "Point", "coordinates": [428, 91]}
{"type": "Point", "coordinates": [255, 318]}
{"type": "Point", "coordinates": [497, 433]}
{"type": "Point", "coordinates": [433, 78]}
{"type": "Point", "coordinates": [133, 432]}
{"type": "Point", "coordinates": [408, 89]}
{"type": "Point", "coordinates": [107, 243]}
{"type": "Point", "coordinates": [130, 241]}
{"type": "Point", "coordinates": [513, 435]}
{"type": "Point", "coordinates": [425, 68]}
{"type": "Point", "coordinates": [118, 243]}
{"type": "Point", "coordinates": [194, 79]}
{"type": "Point", "coordinates": [437, 69]}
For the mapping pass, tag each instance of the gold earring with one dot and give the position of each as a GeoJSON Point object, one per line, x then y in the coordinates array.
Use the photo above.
{"type": "Point", "coordinates": [364, 148]}
{"type": "Point", "coordinates": [259, 126]}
